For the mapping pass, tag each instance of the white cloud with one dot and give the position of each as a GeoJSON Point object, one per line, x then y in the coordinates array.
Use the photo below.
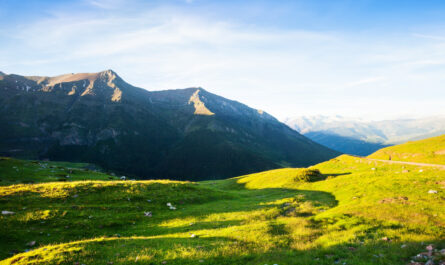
{"type": "Point", "coordinates": [107, 4]}
{"type": "Point", "coordinates": [365, 81]}
{"type": "Point", "coordinates": [279, 70]}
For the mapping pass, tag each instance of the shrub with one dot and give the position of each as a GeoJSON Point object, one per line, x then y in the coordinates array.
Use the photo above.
{"type": "Point", "coordinates": [308, 175]}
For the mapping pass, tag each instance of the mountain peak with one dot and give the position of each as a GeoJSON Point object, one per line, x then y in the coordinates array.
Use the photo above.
{"type": "Point", "coordinates": [108, 73]}
{"type": "Point", "coordinates": [107, 76]}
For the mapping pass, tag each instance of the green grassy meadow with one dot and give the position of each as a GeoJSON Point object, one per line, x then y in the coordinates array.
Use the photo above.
{"type": "Point", "coordinates": [431, 150]}
{"type": "Point", "coordinates": [344, 211]}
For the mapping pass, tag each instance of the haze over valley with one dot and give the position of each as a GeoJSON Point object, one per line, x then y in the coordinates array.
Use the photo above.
{"type": "Point", "coordinates": [363, 137]}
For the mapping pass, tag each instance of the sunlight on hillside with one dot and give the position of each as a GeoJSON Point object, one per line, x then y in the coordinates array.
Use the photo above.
{"type": "Point", "coordinates": [431, 150]}
{"type": "Point", "coordinates": [347, 209]}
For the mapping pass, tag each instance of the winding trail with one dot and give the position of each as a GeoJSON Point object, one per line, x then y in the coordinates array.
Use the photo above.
{"type": "Point", "coordinates": [402, 162]}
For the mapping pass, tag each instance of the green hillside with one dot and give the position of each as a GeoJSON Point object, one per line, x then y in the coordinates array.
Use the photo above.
{"type": "Point", "coordinates": [431, 150]}
{"type": "Point", "coordinates": [16, 171]}
{"type": "Point", "coordinates": [183, 134]}
{"type": "Point", "coordinates": [344, 211]}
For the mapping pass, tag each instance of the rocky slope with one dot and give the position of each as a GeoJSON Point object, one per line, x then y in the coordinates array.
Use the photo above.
{"type": "Point", "coordinates": [179, 134]}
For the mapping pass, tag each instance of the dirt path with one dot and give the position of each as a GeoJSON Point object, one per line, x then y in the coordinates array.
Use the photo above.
{"type": "Point", "coordinates": [403, 162]}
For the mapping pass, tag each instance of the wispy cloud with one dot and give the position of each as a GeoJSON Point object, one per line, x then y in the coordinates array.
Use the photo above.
{"type": "Point", "coordinates": [284, 70]}
{"type": "Point", "coordinates": [432, 37]}
{"type": "Point", "coordinates": [107, 4]}
{"type": "Point", "coordinates": [365, 81]}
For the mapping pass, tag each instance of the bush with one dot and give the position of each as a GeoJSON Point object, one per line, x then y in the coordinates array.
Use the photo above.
{"type": "Point", "coordinates": [308, 175]}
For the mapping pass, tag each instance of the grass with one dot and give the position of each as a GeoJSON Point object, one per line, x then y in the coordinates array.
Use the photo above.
{"type": "Point", "coordinates": [16, 171]}
{"type": "Point", "coordinates": [344, 211]}
{"type": "Point", "coordinates": [431, 150]}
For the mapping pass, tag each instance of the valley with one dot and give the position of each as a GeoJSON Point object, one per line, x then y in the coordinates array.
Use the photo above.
{"type": "Point", "coordinates": [189, 132]}
{"type": "Point", "coordinates": [347, 210]}
{"type": "Point", "coordinates": [363, 137]}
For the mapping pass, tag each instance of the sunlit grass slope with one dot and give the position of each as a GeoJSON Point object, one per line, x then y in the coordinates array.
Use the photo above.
{"type": "Point", "coordinates": [431, 150]}
{"type": "Point", "coordinates": [344, 211]}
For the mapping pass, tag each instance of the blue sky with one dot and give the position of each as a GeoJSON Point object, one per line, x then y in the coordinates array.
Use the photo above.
{"type": "Point", "coordinates": [371, 59]}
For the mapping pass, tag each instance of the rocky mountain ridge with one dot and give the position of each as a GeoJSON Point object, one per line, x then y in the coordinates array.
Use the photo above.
{"type": "Point", "coordinates": [178, 134]}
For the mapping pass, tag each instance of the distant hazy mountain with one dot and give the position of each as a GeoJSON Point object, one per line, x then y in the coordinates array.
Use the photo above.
{"type": "Point", "coordinates": [356, 136]}
{"type": "Point", "coordinates": [178, 134]}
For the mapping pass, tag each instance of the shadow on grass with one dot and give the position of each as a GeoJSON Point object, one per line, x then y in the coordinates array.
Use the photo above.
{"type": "Point", "coordinates": [94, 215]}
{"type": "Point", "coordinates": [219, 250]}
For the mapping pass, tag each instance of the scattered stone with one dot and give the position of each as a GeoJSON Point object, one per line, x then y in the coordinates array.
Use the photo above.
{"type": "Point", "coordinates": [405, 171]}
{"type": "Point", "coordinates": [373, 168]}
{"type": "Point", "coordinates": [430, 250]}
{"type": "Point", "coordinates": [193, 236]}
{"type": "Point", "coordinates": [148, 200]}
{"type": "Point", "coordinates": [386, 239]}
{"type": "Point", "coordinates": [7, 212]}
{"type": "Point", "coordinates": [148, 214]}
{"type": "Point", "coordinates": [164, 262]}
{"type": "Point", "coordinates": [421, 170]}
{"type": "Point", "coordinates": [30, 244]}
{"type": "Point", "coordinates": [171, 206]}
{"type": "Point", "coordinates": [432, 191]}
{"type": "Point", "coordinates": [400, 199]}
{"type": "Point", "coordinates": [429, 262]}
{"type": "Point", "coordinates": [75, 195]}
{"type": "Point", "coordinates": [403, 246]}
{"type": "Point", "coordinates": [201, 260]}
{"type": "Point", "coordinates": [123, 178]}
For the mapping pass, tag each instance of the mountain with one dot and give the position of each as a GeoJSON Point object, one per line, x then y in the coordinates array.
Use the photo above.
{"type": "Point", "coordinates": [178, 134]}
{"type": "Point", "coordinates": [360, 137]}
{"type": "Point", "coordinates": [347, 145]}
{"type": "Point", "coordinates": [431, 150]}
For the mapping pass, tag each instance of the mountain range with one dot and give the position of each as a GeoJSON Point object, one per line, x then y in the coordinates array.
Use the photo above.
{"type": "Point", "coordinates": [188, 134]}
{"type": "Point", "coordinates": [361, 137]}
